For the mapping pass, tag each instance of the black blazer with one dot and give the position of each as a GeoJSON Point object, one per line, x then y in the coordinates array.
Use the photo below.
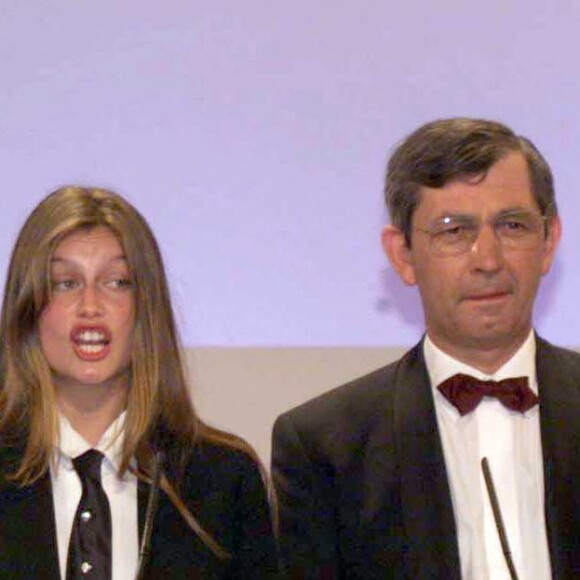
{"type": "Point", "coordinates": [222, 487]}
{"type": "Point", "coordinates": [361, 480]}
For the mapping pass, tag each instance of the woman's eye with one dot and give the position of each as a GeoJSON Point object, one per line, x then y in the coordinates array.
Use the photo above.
{"type": "Point", "coordinates": [120, 283]}
{"type": "Point", "coordinates": [63, 285]}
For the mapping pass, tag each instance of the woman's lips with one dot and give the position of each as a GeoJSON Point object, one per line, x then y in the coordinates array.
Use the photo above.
{"type": "Point", "coordinates": [91, 343]}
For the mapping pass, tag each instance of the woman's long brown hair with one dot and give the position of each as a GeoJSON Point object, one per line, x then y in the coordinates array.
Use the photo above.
{"type": "Point", "coordinates": [158, 396]}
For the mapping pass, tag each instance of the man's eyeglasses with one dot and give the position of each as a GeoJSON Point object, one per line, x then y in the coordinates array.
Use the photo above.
{"type": "Point", "coordinates": [453, 235]}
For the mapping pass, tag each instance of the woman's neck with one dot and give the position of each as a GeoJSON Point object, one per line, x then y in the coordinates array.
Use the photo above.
{"type": "Point", "coordinates": [90, 409]}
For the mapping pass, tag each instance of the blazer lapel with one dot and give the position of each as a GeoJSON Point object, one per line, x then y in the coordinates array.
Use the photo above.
{"type": "Point", "coordinates": [559, 392]}
{"type": "Point", "coordinates": [425, 496]}
{"type": "Point", "coordinates": [142, 497]}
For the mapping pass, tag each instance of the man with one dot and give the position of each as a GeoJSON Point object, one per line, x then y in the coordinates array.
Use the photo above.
{"type": "Point", "coordinates": [382, 477]}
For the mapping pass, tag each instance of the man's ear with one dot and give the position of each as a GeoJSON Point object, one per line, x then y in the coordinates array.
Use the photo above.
{"type": "Point", "coordinates": [399, 254]}
{"type": "Point", "coordinates": [551, 243]}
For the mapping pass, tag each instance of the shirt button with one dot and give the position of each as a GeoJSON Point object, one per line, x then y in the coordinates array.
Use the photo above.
{"type": "Point", "coordinates": [86, 515]}
{"type": "Point", "coordinates": [86, 567]}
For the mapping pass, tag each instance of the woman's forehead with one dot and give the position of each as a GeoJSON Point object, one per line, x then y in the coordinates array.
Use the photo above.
{"type": "Point", "coordinates": [99, 241]}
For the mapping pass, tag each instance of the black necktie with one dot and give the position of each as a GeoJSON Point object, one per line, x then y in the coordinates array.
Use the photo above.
{"type": "Point", "coordinates": [89, 552]}
{"type": "Point", "coordinates": [465, 393]}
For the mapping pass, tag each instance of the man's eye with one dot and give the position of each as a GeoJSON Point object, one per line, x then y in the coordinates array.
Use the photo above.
{"type": "Point", "coordinates": [453, 231]}
{"type": "Point", "coordinates": [513, 226]}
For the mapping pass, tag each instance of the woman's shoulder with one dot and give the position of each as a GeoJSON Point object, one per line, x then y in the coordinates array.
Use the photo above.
{"type": "Point", "coordinates": [224, 486]}
{"type": "Point", "coordinates": [214, 461]}
{"type": "Point", "coordinates": [224, 460]}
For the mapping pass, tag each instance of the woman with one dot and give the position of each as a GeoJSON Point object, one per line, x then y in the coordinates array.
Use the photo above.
{"type": "Point", "coordinates": [90, 367]}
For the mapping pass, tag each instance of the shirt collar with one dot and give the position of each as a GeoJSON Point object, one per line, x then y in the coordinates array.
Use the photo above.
{"type": "Point", "coordinates": [72, 444]}
{"type": "Point", "coordinates": [441, 366]}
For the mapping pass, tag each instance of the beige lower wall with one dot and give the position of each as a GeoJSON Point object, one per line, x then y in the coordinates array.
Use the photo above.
{"type": "Point", "coordinates": [243, 390]}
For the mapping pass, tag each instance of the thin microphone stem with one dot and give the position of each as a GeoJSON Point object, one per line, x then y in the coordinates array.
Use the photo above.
{"type": "Point", "coordinates": [145, 547]}
{"type": "Point", "coordinates": [498, 519]}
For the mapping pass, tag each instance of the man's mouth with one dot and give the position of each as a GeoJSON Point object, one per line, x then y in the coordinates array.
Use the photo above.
{"type": "Point", "coordinates": [489, 295]}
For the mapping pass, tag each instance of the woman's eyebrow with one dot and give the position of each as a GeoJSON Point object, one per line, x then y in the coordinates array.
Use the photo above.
{"type": "Point", "coordinates": [64, 260]}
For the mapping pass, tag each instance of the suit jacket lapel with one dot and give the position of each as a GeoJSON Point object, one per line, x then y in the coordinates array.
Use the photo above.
{"type": "Point", "coordinates": [559, 418]}
{"type": "Point", "coordinates": [425, 496]}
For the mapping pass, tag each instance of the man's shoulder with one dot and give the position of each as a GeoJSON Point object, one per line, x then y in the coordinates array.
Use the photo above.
{"type": "Point", "coordinates": [546, 349]}
{"type": "Point", "coordinates": [360, 398]}
{"type": "Point", "coordinates": [557, 366]}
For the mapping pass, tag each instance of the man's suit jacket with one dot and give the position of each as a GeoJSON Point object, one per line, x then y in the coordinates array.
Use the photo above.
{"type": "Point", "coordinates": [222, 487]}
{"type": "Point", "coordinates": [361, 480]}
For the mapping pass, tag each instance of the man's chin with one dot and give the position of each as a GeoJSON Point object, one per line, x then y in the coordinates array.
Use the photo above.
{"type": "Point", "coordinates": [494, 335]}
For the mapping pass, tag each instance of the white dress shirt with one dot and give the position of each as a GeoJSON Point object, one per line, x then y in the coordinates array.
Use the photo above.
{"type": "Point", "coordinates": [122, 495]}
{"type": "Point", "coordinates": [511, 441]}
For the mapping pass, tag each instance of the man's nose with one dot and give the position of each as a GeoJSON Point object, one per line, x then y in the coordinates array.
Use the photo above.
{"type": "Point", "coordinates": [487, 250]}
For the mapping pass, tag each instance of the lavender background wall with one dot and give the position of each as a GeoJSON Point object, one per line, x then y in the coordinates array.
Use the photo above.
{"type": "Point", "coordinates": [253, 137]}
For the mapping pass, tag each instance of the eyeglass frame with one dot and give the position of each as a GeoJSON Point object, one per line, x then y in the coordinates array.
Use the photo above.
{"type": "Point", "coordinates": [465, 244]}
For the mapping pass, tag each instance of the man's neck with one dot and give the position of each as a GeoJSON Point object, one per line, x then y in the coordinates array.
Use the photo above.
{"type": "Point", "coordinates": [485, 358]}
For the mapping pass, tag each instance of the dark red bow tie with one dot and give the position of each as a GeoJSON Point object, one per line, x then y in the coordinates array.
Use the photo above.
{"type": "Point", "coordinates": [465, 393]}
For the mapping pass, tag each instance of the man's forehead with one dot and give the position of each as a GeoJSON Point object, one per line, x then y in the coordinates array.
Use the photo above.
{"type": "Point", "coordinates": [514, 162]}
{"type": "Point", "coordinates": [505, 185]}
{"type": "Point", "coordinates": [508, 212]}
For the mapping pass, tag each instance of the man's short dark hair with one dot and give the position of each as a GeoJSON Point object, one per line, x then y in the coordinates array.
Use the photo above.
{"type": "Point", "coordinates": [448, 149]}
